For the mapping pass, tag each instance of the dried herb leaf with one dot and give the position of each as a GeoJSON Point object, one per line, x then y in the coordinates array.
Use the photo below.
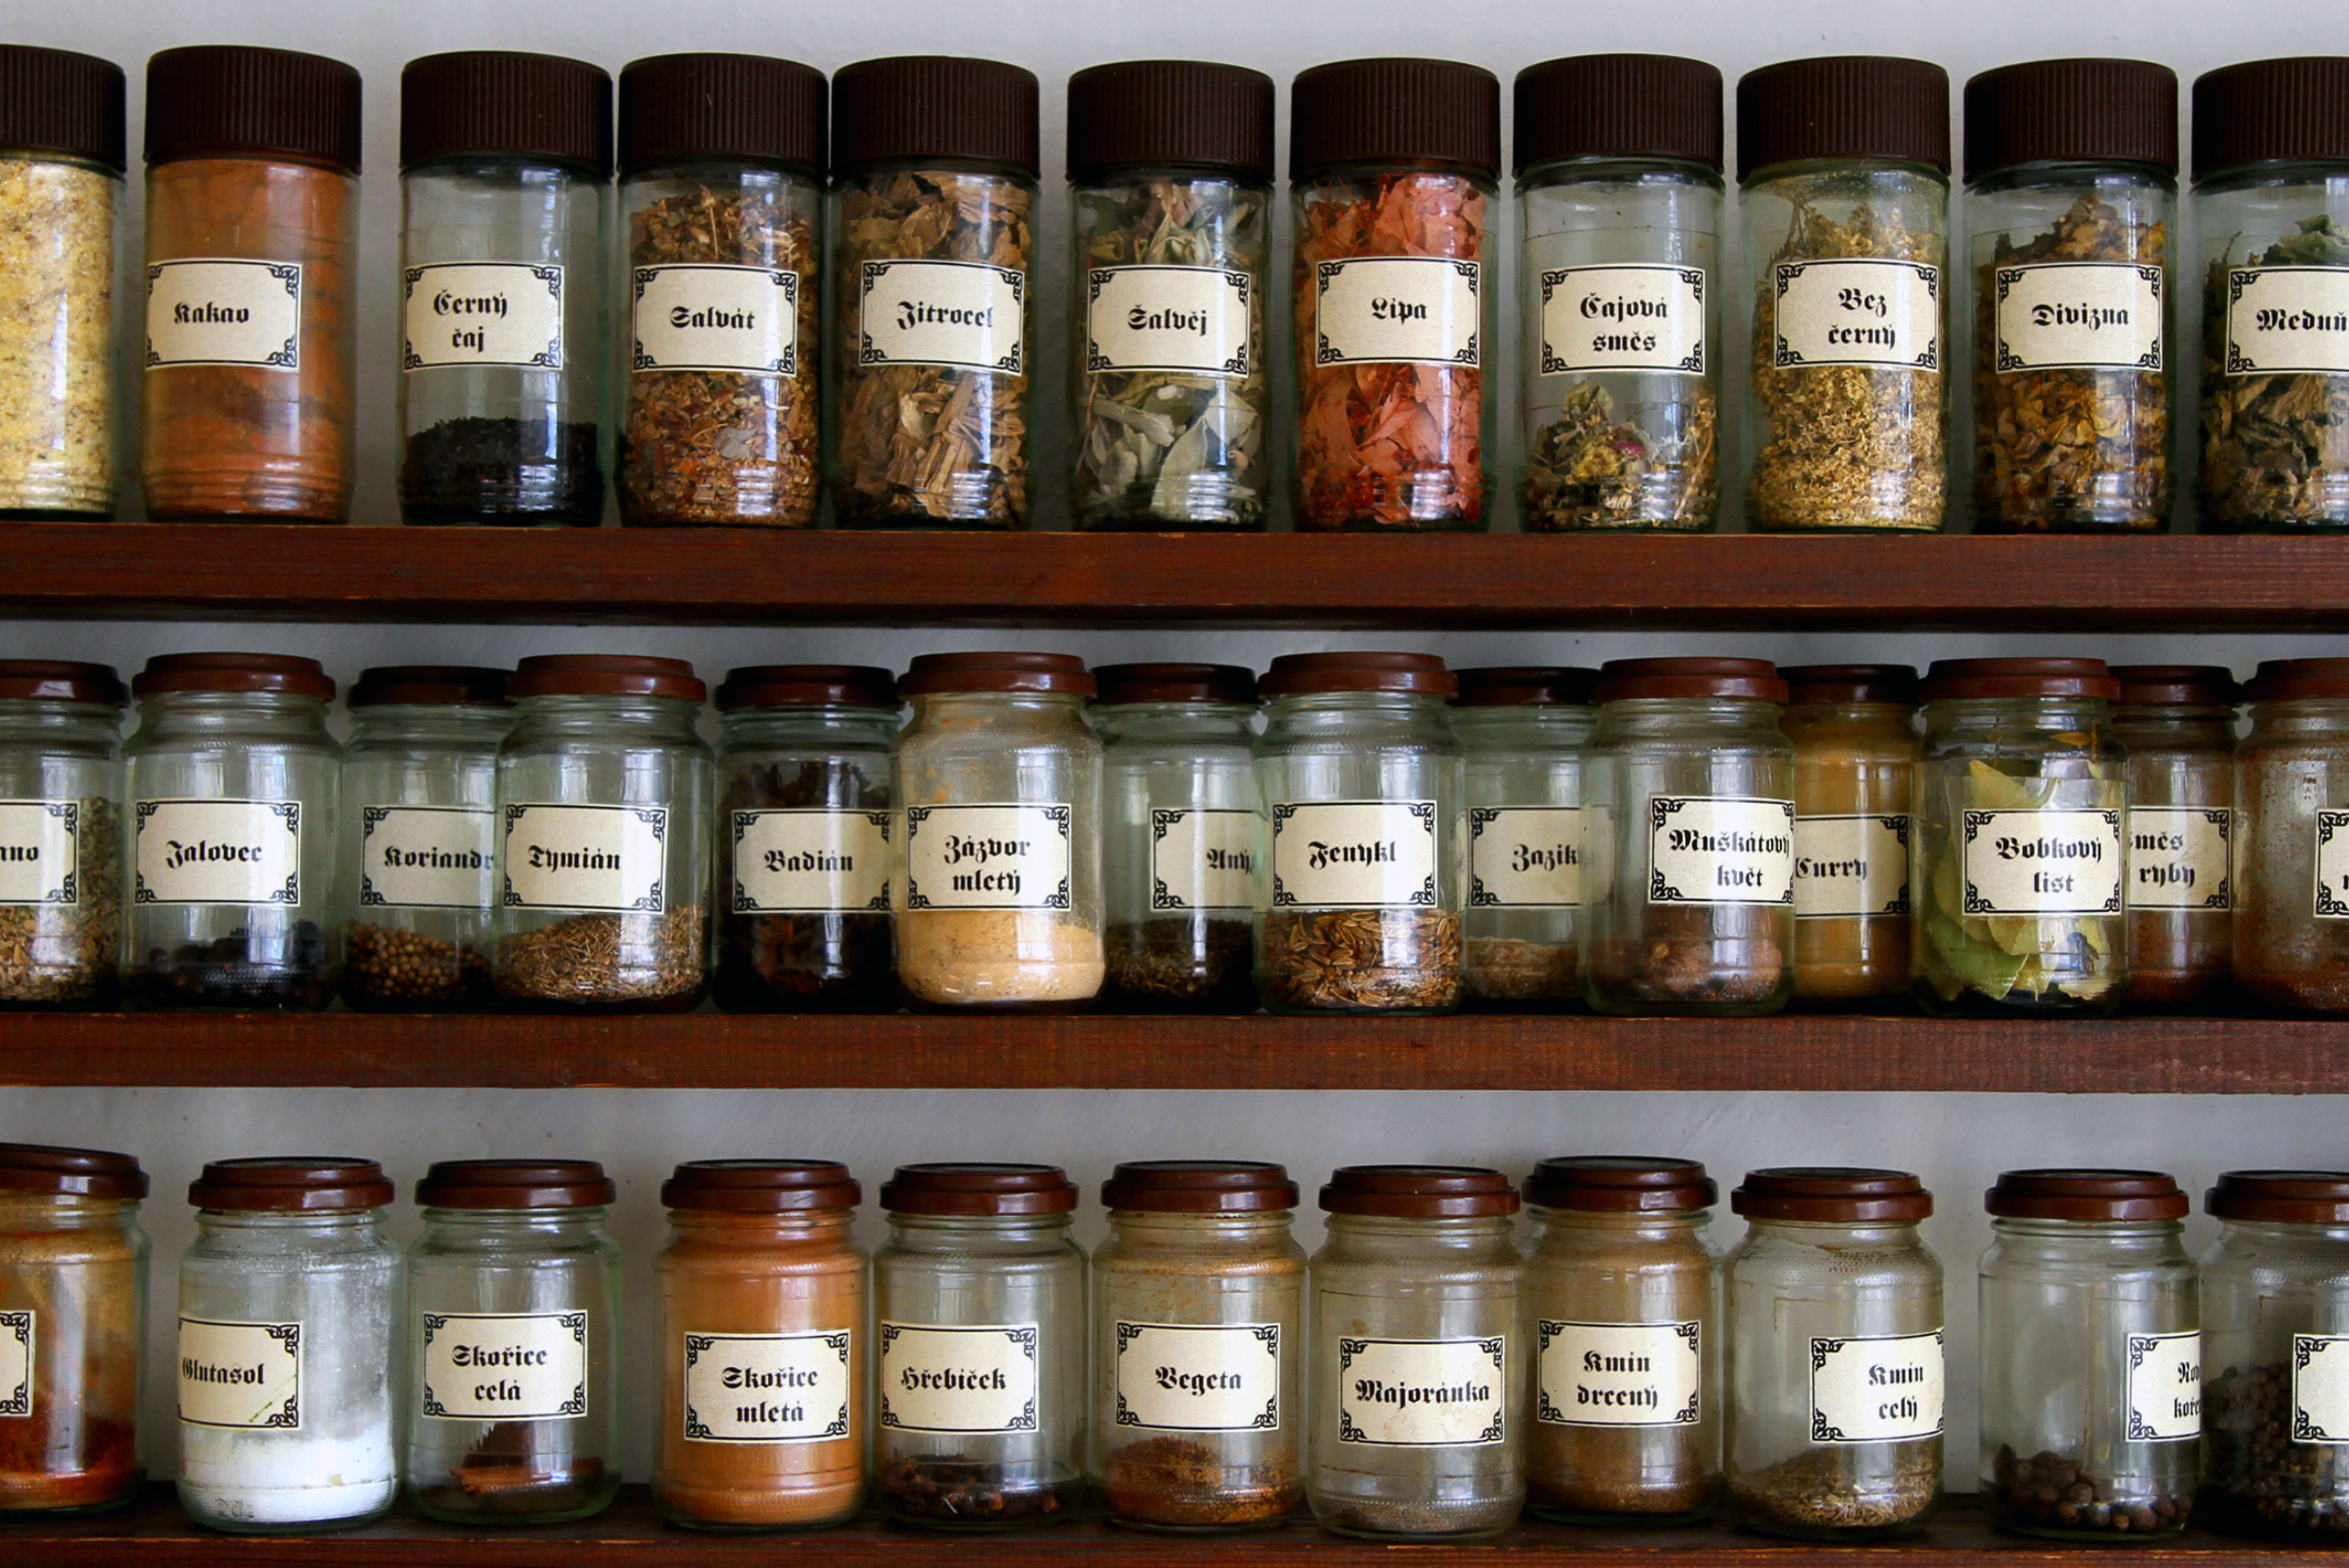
{"type": "Point", "coordinates": [1588, 469]}
{"type": "Point", "coordinates": [2275, 447]}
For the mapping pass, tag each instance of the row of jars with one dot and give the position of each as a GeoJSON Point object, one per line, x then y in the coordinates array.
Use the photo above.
{"type": "Point", "coordinates": [252, 277]}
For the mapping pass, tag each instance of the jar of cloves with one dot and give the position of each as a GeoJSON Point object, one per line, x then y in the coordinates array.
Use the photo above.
{"type": "Point", "coordinates": [1522, 729]}
{"type": "Point", "coordinates": [61, 832]}
{"type": "Point", "coordinates": [2291, 846]}
{"type": "Point", "coordinates": [2178, 722]}
{"type": "Point", "coordinates": [1854, 733]}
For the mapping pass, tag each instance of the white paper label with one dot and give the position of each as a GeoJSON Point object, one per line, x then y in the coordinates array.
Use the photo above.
{"type": "Point", "coordinates": [1859, 313]}
{"type": "Point", "coordinates": [959, 1380]}
{"type": "Point", "coordinates": [2179, 857]}
{"type": "Point", "coordinates": [1423, 1392]}
{"type": "Point", "coordinates": [426, 857]}
{"type": "Point", "coordinates": [1202, 858]}
{"type": "Point", "coordinates": [585, 857]}
{"type": "Point", "coordinates": [1619, 1374]}
{"type": "Point", "coordinates": [240, 1375]}
{"type": "Point", "coordinates": [16, 1361]}
{"type": "Point", "coordinates": [2288, 318]}
{"type": "Point", "coordinates": [967, 314]}
{"type": "Point", "coordinates": [1718, 849]}
{"type": "Point", "coordinates": [2332, 859]}
{"type": "Point", "coordinates": [40, 843]}
{"type": "Point", "coordinates": [987, 857]}
{"type": "Point", "coordinates": [1876, 1391]}
{"type": "Point", "coordinates": [2043, 862]}
{"type": "Point", "coordinates": [1624, 318]}
{"type": "Point", "coordinates": [213, 311]}
{"type": "Point", "coordinates": [217, 852]}
{"type": "Point", "coordinates": [2079, 315]}
{"type": "Point", "coordinates": [2320, 1388]}
{"type": "Point", "coordinates": [1851, 865]}
{"type": "Point", "coordinates": [2165, 1387]}
{"type": "Point", "coordinates": [1354, 855]}
{"type": "Point", "coordinates": [483, 312]}
{"type": "Point", "coordinates": [766, 1388]}
{"type": "Point", "coordinates": [1525, 857]}
{"type": "Point", "coordinates": [1167, 319]}
{"type": "Point", "coordinates": [810, 859]}
{"type": "Point", "coordinates": [1178, 1378]}
{"type": "Point", "coordinates": [505, 1366]}
{"type": "Point", "coordinates": [711, 317]}
{"type": "Point", "coordinates": [1398, 310]}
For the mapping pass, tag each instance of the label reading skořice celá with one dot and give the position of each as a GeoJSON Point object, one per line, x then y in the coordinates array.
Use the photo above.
{"type": "Point", "coordinates": [217, 852]}
{"type": "Point", "coordinates": [1193, 320]}
{"type": "Point", "coordinates": [1354, 855]}
{"type": "Point", "coordinates": [959, 1380]}
{"type": "Point", "coordinates": [811, 860]}
{"type": "Point", "coordinates": [1398, 310]}
{"type": "Point", "coordinates": [712, 318]}
{"type": "Point", "coordinates": [1202, 858]}
{"type": "Point", "coordinates": [1858, 312]}
{"type": "Point", "coordinates": [585, 857]}
{"type": "Point", "coordinates": [987, 857]}
{"type": "Point", "coordinates": [426, 857]}
{"type": "Point", "coordinates": [1874, 1391]}
{"type": "Point", "coordinates": [1619, 1374]}
{"type": "Point", "coordinates": [766, 1388]}
{"type": "Point", "coordinates": [1624, 318]}
{"type": "Point", "coordinates": [2179, 857]}
{"type": "Point", "coordinates": [2078, 315]}
{"type": "Point", "coordinates": [1711, 849]}
{"type": "Point", "coordinates": [1851, 865]}
{"type": "Point", "coordinates": [483, 312]}
{"type": "Point", "coordinates": [240, 1375]}
{"type": "Point", "coordinates": [40, 844]}
{"type": "Point", "coordinates": [2043, 862]}
{"type": "Point", "coordinates": [505, 1366]}
{"type": "Point", "coordinates": [16, 1327]}
{"type": "Point", "coordinates": [2283, 320]}
{"type": "Point", "coordinates": [1221, 1378]}
{"type": "Point", "coordinates": [2320, 1388]}
{"type": "Point", "coordinates": [1525, 857]}
{"type": "Point", "coordinates": [1423, 1393]}
{"type": "Point", "coordinates": [215, 311]}
{"type": "Point", "coordinates": [2165, 1387]}
{"type": "Point", "coordinates": [965, 314]}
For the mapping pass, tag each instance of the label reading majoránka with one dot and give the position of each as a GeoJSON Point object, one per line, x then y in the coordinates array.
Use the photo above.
{"type": "Point", "coordinates": [766, 1388]}
{"type": "Point", "coordinates": [1876, 1390]}
{"type": "Point", "coordinates": [1398, 310]}
{"type": "Point", "coordinates": [1223, 1377]}
{"type": "Point", "coordinates": [2165, 1387]}
{"type": "Point", "coordinates": [987, 857]}
{"type": "Point", "coordinates": [585, 857]}
{"type": "Point", "coordinates": [1354, 855]}
{"type": "Point", "coordinates": [216, 311]}
{"type": "Point", "coordinates": [1849, 866]}
{"type": "Point", "coordinates": [1624, 318]}
{"type": "Point", "coordinates": [2283, 319]}
{"type": "Point", "coordinates": [40, 844]}
{"type": "Point", "coordinates": [1711, 849]}
{"type": "Point", "coordinates": [240, 1375]}
{"type": "Point", "coordinates": [216, 851]}
{"type": "Point", "coordinates": [2179, 857]}
{"type": "Point", "coordinates": [505, 1366]}
{"type": "Point", "coordinates": [1858, 312]}
{"type": "Point", "coordinates": [1423, 1392]}
{"type": "Point", "coordinates": [1525, 857]}
{"type": "Point", "coordinates": [426, 857]}
{"type": "Point", "coordinates": [965, 314]}
{"type": "Point", "coordinates": [711, 318]}
{"type": "Point", "coordinates": [16, 1329]}
{"type": "Point", "coordinates": [1619, 1374]}
{"type": "Point", "coordinates": [2078, 315]}
{"type": "Point", "coordinates": [483, 312]}
{"type": "Point", "coordinates": [979, 1379]}
{"type": "Point", "coordinates": [810, 859]}
{"type": "Point", "coordinates": [1193, 320]}
{"type": "Point", "coordinates": [1202, 858]}
{"type": "Point", "coordinates": [2041, 863]}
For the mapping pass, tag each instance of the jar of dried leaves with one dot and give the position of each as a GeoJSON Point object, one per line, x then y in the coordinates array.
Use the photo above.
{"type": "Point", "coordinates": [934, 164]}
{"type": "Point", "coordinates": [1522, 728]}
{"type": "Point", "coordinates": [2178, 722]}
{"type": "Point", "coordinates": [61, 833]}
{"type": "Point", "coordinates": [2291, 802]}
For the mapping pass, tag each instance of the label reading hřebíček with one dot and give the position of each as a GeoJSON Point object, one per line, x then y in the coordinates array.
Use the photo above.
{"type": "Point", "coordinates": [40, 845]}
{"type": "Point", "coordinates": [505, 1366]}
{"type": "Point", "coordinates": [2282, 320]}
{"type": "Point", "coordinates": [1191, 319]}
{"type": "Point", "coordinates": [964, 314]}
{"type": "Point", "coordinates": [216, 851]}
{"type": "Point", "coordinates": [426, 857]}
{"type": "Point", "coordinates": [1720, 850]}
{"type": "Point", "coordinates": [740, 320]}
{"type": "Point", "coordinates": [766, 1388]}
{"type": "Point", "coordinates": [2179, 857]}
{"type": "Point", "coordinates": [1876, 1390]}
{"type": "Point", "coordinates": [1858, 312]}
{"type": "Point", "coordinates": [1354, 855]}
{"type": "Point", "coordinates": [1619, 1374]}
{"type": "Point", "coordinates": [1624, 318]}
{"type": "Point", "coordinates": [1525, 857]}
{"type": "Point", "coordinates": [810, 859]}
{"type": "Point", "coordinates": [2165, 1387]}
{"type": "Point", "coordinates": [483, 312]}
{"type": "Point", "coordinates": [205, 310]}
{"type": "Point", "coordinates": [1398, 310]}
{"type": "Point", "coordinates": [1202, 858]}
{"type": "Point", "coordinates": [1423, 1392]}
{"type": "Point", "coordinates": [587, 857]}
{"type": "Point", "coordinates": [1848, 865]}
{"type": "Point", "coordinates": [980, 1379]}
{"type": "Point", "coordinates": [987, 857]}
{"type": "Point", "coordinates": [2078, 315]}
{"type": "Point", "coordinates": [1223, 1377]}
{"type": "Point", "coordinates": [240, 1375]}
{"type": "Point", "coordinates": [2041, 863]}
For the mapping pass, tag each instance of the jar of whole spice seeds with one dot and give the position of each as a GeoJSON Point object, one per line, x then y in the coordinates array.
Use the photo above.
{"type": "Point", "coordinates": [61, 832]}
{"type": "Point", "coordinates": [721, 162]}
{"type": "Point", "coordinates": [1392, 170]}
{"type": "Point", "coordinates": [1620, 224]}
{"type": "Point", "coordinates": [2291, 846]}
{"type": "Point", "coordinates": [2178, 722]}
{"type": "Point", "coordinates": [1843, 175]}
{"type": "Point", "coordinates": [934, 163]}
{"type": "Point", "coordinates": [1522, 729]}
{"type": "Point", "coordinates": [1854, 733]}
{"type": "Point", "coordinates": [1170, 178]}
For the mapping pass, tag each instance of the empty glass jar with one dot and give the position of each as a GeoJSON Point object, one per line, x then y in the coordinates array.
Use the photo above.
{"type": "Point", "coordinates": [1854, 733]}
{"type": "Point", "coordinates": [1522, 729]}
{"type": "Point", "coordinates": [61, 833]}
{"type": "Point", "coordinates": [2179, 724]}
{"type": "Point", "coordinates": [2291, 795]}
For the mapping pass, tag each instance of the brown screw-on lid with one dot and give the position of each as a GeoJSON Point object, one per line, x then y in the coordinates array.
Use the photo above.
{"type": "Point", "coordinates": [1186, 113]}
{"type": "Point", "coordinates": [1619, 105]}
{"type": "Point", "coordinates": [2088, 1195]}
{"type": "Point", "coordinates": [1525, 685]}
{"type": "Point", "coordinates": [1832, 1194]}
{"type": "Point", "coordinates": [516, 1183]}
{"type": "Point", "coordinates": [808, 686]}
{"type": "Point", "coordinates": [282, 672]}
{"type": "Point", "coordinates": [75, 1172]}
{"type": "Point", "coordinates": [1895, 683]}
{"type": "Point", "coordinates": [429, 686]}
{"type": "Point", "coordinates": [1199, 1186]}
{"type": "Point", "coordinates": [2196, 685]}
{"type": "Point", "coordinates": [1845, 106]}
{"type": "Point", "coordinates": [2265, 111]}
{"type": "Point", "coordinates": [1952, 680]}
{"type": "Point", "coordinates": [498, 103]}
{"type": "Point", "coordinates": [1394, 111]}
{"type": "Point", "coordinates": [2280, 1198]}
{"type": "Point", "coordinates": [1297, 674]}
{"type": "Point", "coordinates": [54, 100]}
{"type": "Point", "coordinates": [1418, 1191]}
{"type": "Point", "coordinates": [1230, 683]}
{"type": "Point", "coordinates": [1753, 680]}
{"type": "Point", "coordinates": [2071, 111]}
{"type": "Point", "coordinates": [604, 675]}
{"type": "Point", "coordinates": [933, 105]}
{"type": "Point", "coordinates": [1063, 674]}
{"type": "Point", "coordinates": [59, 679]}
{"type": "Point", "coordinates": [237, 101]}
{"type": "Point", "coordinates": [683, 108]}
{"type": "Point", "coordinates": [1622, 1183]}
{"type": "Point", "coordinates": [292, 1185]}
{"type": "Point", "coordinates": [952, 1188]}
{"type": "Point", "coordinates": [761, 1186]}
{"type": "Point", "coordinates": [2288, 680]}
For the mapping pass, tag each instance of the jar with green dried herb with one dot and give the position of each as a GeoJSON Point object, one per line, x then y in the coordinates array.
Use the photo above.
{"type": "Point", "coordinates": [61, 833]}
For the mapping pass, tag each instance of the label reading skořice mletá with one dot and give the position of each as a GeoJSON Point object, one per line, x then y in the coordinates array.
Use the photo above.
{"type": "Point", "coordinates": [1423, 1392]}
{"type": "Point", "coordinates": [1851, 865]}
{"type": "Point", "coordinates": [2078, 315]}
{"type": "Point", "coordinates": [2179, 857]}
{"type": "Point", "coordinates": [1708, 849]}
{"type": "Point", "coordinates": [1624, 318]}
{"type": "Point", "coordinates": [587, 857]}
{"type": "Point", "coordinates": [1202, 858]}
{"type": "Point", "coordinates": [40, 843]}
{"type": "Point", "coordinates": [483, 313]}
{"type": "Point", "coordinates": [965, 314]}
{"type": "Point", "coordinates": [709, 318]}
{"type": "Point", "coordinates": [2287, 319]}
{"type": "Point", "coordinates": [1876, 1391]}
{"type": "Point", "coordinates": [1858, 312]}
{"type": "Point", "coordinates": [505, 1366]}
{"type": "Point", "coordinates": [1619, 1374]}
{"type": "Point", "coordinates": [1398, 310]}
{"type": "Point", "coordinates": [766, 1388]}
{"type": "Point", "coordinates": [216, 311]}
{"type": "Point", "coordinates": [1525, 857]}
{"type": "Point", "coordinates": [2165, 1387]}
{"type": "Point", "coordinates": [1354, 855]}
{"type": "Point", "coordinates": [426, 857]}
{"type": "Point", "coordinates": [1220, 1378]}
{"type": "Point", "coordinates": [937, 1379]}
{"type": "Point", "coordinates": [216, 851]}
{"type": "Point", "coordinates": [240, 1375]}
{"type": "Point", "coordinates": [1193, 320]}
{"type": "Point", "coordinates": [987, 857]}
{"type": "Point", "coordinates": [2043, 862]}
{"type": "Point", "coordinates": [811, 860]}
{"type": "Point", "coordinates": [16, 1329]}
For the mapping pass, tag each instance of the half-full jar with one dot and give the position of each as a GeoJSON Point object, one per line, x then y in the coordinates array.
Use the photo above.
{"type": "Point", "coordinates": [235, 789]}
{"type": "Point", "coordinates": [73, 1329]}
{"type": "Point", "coordinates": [1392, 169]}
{"type": "Point", "coordinates": [2291, 938]}
{"type": "Point", "coordinates": [253, 284]}
{"type": "Point", "coordinates": [2021, 853]}
{"type": "Point", "coordinates": [420, 857]}
{"type": "Point", "coordinates": [287, 1347]}
{"type": "Point", "coordinates": [1359, 778]}
{"type": "Point", "coordinates": [513, 1302]}
{"type": "Point", "coordinates": [61, 832]}
{"type": "Point", "coordinates": [1199, 1347]}
{"type": "Point", "coordinates": [998, 781]}
{"type": "Point", "coordinates": [804, 856]}
{"type": "Point", "coordinates": [2179, 724]}
{"type": "Point", "coordinates": [764, 1307]}
{"type": "Point", "coordinates": [506, 176]}
{"type": "Point", "coordinates": [1522, 729]}
{"type": "Point", "coordinates": [1688, 828]}
{"type": "Point", "coordinates": [1835, 1355]}
{"type": "Point", "coordinates": [2091, 1356]}
{"type": "Point", "coordinates": [1618, 202]}
{"type": "Point", "coordinates": [1854, 733]}
{"type": "Point", "coordinates": [1625, 1294]}
{"type": "Point", "coordinates": [604, 792]}
{"type": "Point", "coordinates": [979, 1295]}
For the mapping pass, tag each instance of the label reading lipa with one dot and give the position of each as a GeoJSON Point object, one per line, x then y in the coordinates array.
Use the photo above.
{"type": "Point", "coordinates": [766, 1388]}
{"type": "Point", "coordinates": [1223, 1377]}
{"type": "Point", "coordinates": [2041, 863]}
{"type": "Point", "coordinates": [217, 311]}
{"type": "Point", "coordinates": [1876, 1390]}
{"type": "Point", "coordinates": [1624, 318]}
{"type": "Point", "coordinates": [711, 317]}
{"type": "Point", "coordinates": [967, 315]}
{"type": "Point", "coordinates": [216, 851]}
{"type": "Point", "coordinates": [1398, 310]}
{"type": "Point", "coordinates": [2283, 320]}
{"type": "Point", "coordinates": [1354, 855]}
{"type": "Point", "coordinates": [979, 1379]}
{"type": "Point", "coordinates": [987, 857]}
{"type": "Point", "coordinates": [17, 1331]}
{"type": "Point", "coordinates": [1619, 1374]}
{"type": "Point", "coordinates": [810, 859]}
{"type": "Point", "coordinates": [1202, 858]}
{"type": "Point", "coordinates": [1851, 865]}
{"type": "Point", "coordinates": [585, 857]}
{"type": "Point", "coordinates": [1720, 850]}
{"type": "Point", "coordinates": [1423, 1392]}
{"type": "Point", "coordinates": [1525, 857]}
{"type": "Point", "coordinates": [483, 312]}
{"type": "Point", "coordinates": [1193, 320]}
{"type": "Point", "coordinates": [2165, 1387]}
{"type": "Point", "coordinates": [2078, 315]}
{"type": "Point", "coordinates": [2179, 857]}
{"type": "Point", "coordinates": [240, 1375]}
{"type": "Point", "coordinates": [426, 857]}
{"type": "Point", "coordinates": [503, 1366]}
{"type": "Point", "coordinates": [1858, 312]}
{"type": "Point", "coordinates": [41, 852]}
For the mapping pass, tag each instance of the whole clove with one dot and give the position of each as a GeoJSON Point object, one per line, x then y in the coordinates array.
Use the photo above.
{"type": "Point", "coordinates": [954, 1490]}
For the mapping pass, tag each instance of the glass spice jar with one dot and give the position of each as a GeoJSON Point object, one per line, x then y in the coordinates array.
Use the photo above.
{"type": "Point", "coordinates": [804, 853]}
{"type": "Point", "coordinates": [934, 164]}
{"type": "Point", "coordinates": [764, 1300]}
{"type": "Point", "coordinates": [604, 790]}
{"type": "Point", "coordinates": [721, 185]}
{"type": "Point", "coordinates": [286, 1352]}
{"type": "Point", "coordinates": [73, 1329]}
{"type": "Point", "coordinates": [1836, 1378]}
{"type": "Point", "coordinates": [513, 1296]}
{"type": "Point", "coordinates": [251, 298]}
{"type": "Point", "coordinates": [2178, 722]}
{"type": "Point", "coordinates": [61, 830]}
{"type": "Point", "coordinates": [1522, 729]}
{"type": "Point", "coordinates": [2091, 1356]}
{"type": "Point", "coordinates": [979, 1295]}
{"type": "Point", "coordinates": [997, 777]}
{"type": "Point", "coordinates": [419, 855]}
{"type": "Point", "coordinates": [1198, 1321]}
{"type": "Point", "coordinates": [1843, 175]}
{"type": "Point", "coordinates": [2021, 856]}
{"type": "Point", "coordinates": [1171, 179]}
{"type": "Point", "coordinates": [506, 175]}
{"type": "Point", "coordinates": [1854, 733]}
{"type": "Point", "coordinates": [2291, 843]}
{"type": "Point", "coordinates": [1688, 833]}
{"type": "Point", "coordinates": [1619, 225]}
{"type": "Point", "coordinates": [1626, 1299]}
{"type": "Point", "coordinates": [235, 788]}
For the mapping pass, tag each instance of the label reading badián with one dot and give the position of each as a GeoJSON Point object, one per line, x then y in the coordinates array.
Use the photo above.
{"type": "Point", "coordinates": [505, 1366]}
{"type": "Point", "coordinates": [240, 1375]}
{"type": "Point", "coordinates": [971, 1380]}
{"type": "Point", "coordinates": [2165, 1387]}
{"type": "Point", "coordinates": [1423, 1392]}
{"type": "Point", "coordinates": [1354, 855]}
{"type": "Point", "coordinates": [483, 312]}
{"type": "Point", "coordinates": [766, 1388]}
{"type": "Point", "coordinates": [220, 311]}
{"type": "Point", "coordinates": [1858, 312]}
{"type": "Point", "coordinates": [1525, 857]}
{"type": "Point", "coordinates": [742, 320]}
{"type": "Point", "coordinates": [1223, 1377]}
{"type": "Point", "coordinates": [811, 860]}
{"type": "Point", "coordinates": [1193, 320]}
{"type": "Point", "coordinates": [2041, 863]}
{"type": "Point", "coordinates": [1876, 1390]}
{"type": "Point", "coordinates": [1624, 318]}
{"type": "Point", "coordinates": [2078, 315]}
{"type": "Point", "coordinates": [585, 857]}
{"type": "Point", "coordinates": [987, 857]}
{"type": "Point", "coordinates": [1202, 858]}
{"type": "Point", "coordinates": [40, 844]}
{"type": "Point", "coordinates": [216, 851]}
{"type": "Point", "coordinates": [1398, 310]}
{"type": "Point", "coordinates": [1619, 1374]}
{"type": "Point", "coordinates": [1851, 865]}
{"type": "Point", "coordinates": [426, 857]}
{"type": "Point", "coordinates": [1710, 848]}
{"type": "Point", "coordinates": [2179, 857]}
{"type": "Point", "coordinates": [964, 314]}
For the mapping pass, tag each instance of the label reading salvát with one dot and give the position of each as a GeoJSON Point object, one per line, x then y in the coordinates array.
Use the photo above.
{"type": "Point", "coordinates": [428, 857]}
{"type": "Point", "coordinates": [2043, 862]}
{"type": "Point", "coordinates": [1619, 1374]}
{"type": "Point", "coordinates": [1202, 858]}
{"type": "Point", "coordinates": [2078, 315]}
{"type": "Point", "coordinates": [240, 1375]}
{"type": "Point", "coordinates": [1398, 310]}
{"type": "Point", "coordinates": [959, 1380]}
{"type": "Point", "coordinates": [987, 857]}
{"type": "Point", "coordinates": [1220, 1378]}
{"type": "Point", "coordinates": [505, 1366]}
{"type": "Point", "coordinates": [2320, 1388]}
{"type": "Point", "coordinates": [1851, 865]}
{"type": "Point", "coordinates": [766, 1388]}
{"type": "Point", "coordinates": [811, 860]}
{"type": "Point", "coordinates": [40, 845]}
{"type": "Point", "coordinates": [2286, 319]}
{"type": "Point", "coordinates": [585, 857]}
{"type": "Point", "coordinates": [215, 311]}
{"type": "Point", "coordinates": [1706, 848]}
{"type": "Point", "coordinates": [17, 1328]}
{"type": "Point", "coordinates": [1858, 312]}
{"type": "Point", "coordinates": [966, 314]}
{"type": "Point", "coordinates": [483, 312]}
{"type": "Point", "coordinates": [1423, 1392]}
{"type": "Point", "coordinates": [1525, 857]}
{"type": "Point", "coordinates": [2165, 1387]}
{"type": "Point", "coordinates": [1354, 855]}
{"type": "Point", "coordinates": [708, 317]}
{"type": "Point", "coordinates": [2179, 857]}
{"type": "Point", "coordinates": [1876, 1391]}
{"type": "Point", "coordinates": [1624, 318]}
{"type": "Point", "coordinates": [1193, 320]}
{"type": "Point", "coordinates": [216, 851]}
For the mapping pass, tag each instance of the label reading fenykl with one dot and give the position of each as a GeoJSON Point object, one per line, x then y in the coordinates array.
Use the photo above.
{"type": "Point", "coordinates": [215, 311]}
{"type": "Point", "coordinates": [426, 857]}
{"type": "Point", "coordinates": [1423, 1392]}
{"type": "Point", "coordinates": [216, 851]}
{"type": "Point", "coordinates": [17, 1328]}
{"type": "Point", "coordinates": [41, 844]}
{"type": "Point", "coordinates": [1624, 318]}
{"type": "Point", "coordinates": [2283, 320]}
{"type": "Point", "coordinates": [1858, 312]}
{"type": "Point", "coordinates": [1398, 310]}
{"type": "Point", "coordinates": [1619, 1374]}
{"type": "Point", "coordinates": [1193, 320]}
{"type": "Point", "coordinates": [1354, 855]}
{"type": "Point", "coordinates": [937, 1379]}
{"type": "Point", "coordinates": [1851, 865]}
{"type": "Point", "coordinates": [965, 314]}
{"type": "Point", "coordinates": [1525, 857]}
{"type": "Point", "coordinates": [505, 1366]}
{"type": "Point", "coordinates": [2165, 1387]}
{"type": "Point", "coordinates": [765, 1388]}
{"type": "Point", "coordinates": [1178, 1378]}
{"type": "Point", "coordinates": [2331, 860]}
{"type": "Point", "coordinates": [585, 857]}
{"type": "Point", "coordinates": [240, 1375]}
{"type": "Point", "coordinates": [2043, 862]}
{"type": "Point", "coordinates": [811, 860]}
{"type": "Point", "coordinates": [744, 320]}
{"type": "Point", "coordinates": [1712, 849]}
{"type": "Point", "coordinates": [2179, 857]}
{"type": "Point", "coordinates": [483, 312]}
{"type": "Point", "coordinates": [1202, 858]}
{"type": "Point", "coordinates": [2078, 315]}
{"type": "Point", "coordinates": [1876, 1391]}
{"type": "Point", "coordinates": [987, 857]}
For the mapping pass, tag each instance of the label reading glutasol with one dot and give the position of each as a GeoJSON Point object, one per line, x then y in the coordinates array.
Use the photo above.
{"type": "Point", "coordinates": [240, 1375]}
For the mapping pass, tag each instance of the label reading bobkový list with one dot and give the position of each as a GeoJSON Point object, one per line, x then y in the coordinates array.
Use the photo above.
{"type": "Point", "coordinates": [1354, 855]}
{"type": "Point", "coordinates": [2165, 1387]}
{"type": "Point", "coordinates": [2078, 315]}
{"type": "Point", "coordinates": [516, 1366]}
{"type": "Point", "coordinates": [810, 859]}
{"type": "Point", "coordinates": [711, 317]}
{"type": "Point", "coordinates": [483, 312]}
{"type": "Point", "coordinates": [1851, 865]}
{"type": "Point", "coordinates": [41, 844]}
{"type": "Point", "coordinates": [964, 314]}
{"type": "Point", "coordinates": [1398, 310]}
{"type": "Point", "coordinates": [1874, 1391]}
{"type": "Point", "coordinates": [1619, 1374]}
{"type": "Point", "coordinates": [1176, 1378]}
{"type": "Point", "coordinates": [1202, 858]}
{"type": "Point", "coordinates": [959, 1380]}
{"type": "Point", "coordinates": [1709, 848]}
{"type": "Point", "coordinates": [2282, 319]}
{"type": "Point", "coordinates": [2041, 863]}
{"type": "Point", "coordinates": [215, 311]}
{"type": "Point", "coordinates": [585, 857]}
{"type": "Point", "coordinates": [1193, 320]}
{"type": "Point", "coordinates": [766, 1388]}
{"type": "Point", "coordinates": [240, 1375]}
{"type": "Point", "coordinates": [2179, 857]}
{"type": "Point", "coordinates": [1525, 857]}
{"type": "Point", "coordinates": [987, 857]}
{"type": "Point", "coordinates": [17, 1330]}
{"type": "Point", "coordinates": [216, 851]}
{"type": "Point", "coordinates": [1624, 318]}
{"type": "Point", "coordinates": [426, 857]}
{"type": "Point", "coordinates": [1858, 312]}
{"type": "Point", "coordinates": [1423, 1392]}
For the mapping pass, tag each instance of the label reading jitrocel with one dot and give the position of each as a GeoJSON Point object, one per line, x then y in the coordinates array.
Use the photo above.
{"type": "Point", "coordinates": [810, 859]}
{"type": "Point", "coordinates": [1202, 858]}
{"type": "Point", "coordinates": [766, 1388]}
{"type": "Point", "coordinates": [1525, 857]}
{"type": "Point", "coordinates": [2179, 857]}
{"type": "Point", "coordinates": [1851, 865]}
{"type": "Point", "coordinates": [987, 857]}
{"type": "Point", "coordinates": [518, 1366]}
{"type": "Point", "coordinates": [744, 320]}
{"type": "Point", "coordinates": [1712, 849]}
{"type": "Point", "coordinates": [217, 311]}
{"type": "Point", "coordinates": [1398, 310]}
{"type": "Point", "coordinates": [426, 857]}
{"type": "Point", "coordinates": [585, 857]}
{"type": "Point", "coordinates": [2287, 319]}
{"type": "Point", "coordinates": [40, 843]}
{"type": "Point", "coordinates": [964, 314]}
{"type": "Point", "coordinates": [2165, 1387]}
{"type": "Point", "coordinates": [2078, 315]}
{"type": "Point", "coordinates": [1624, 318]}
{"type": "Point", "coordinates": [240, 1375]}
{"type": "Point", "coordinates": [1181, 1378]}
{"type": "Point", "coordinates": [1193, 320]}
{"type": "Point", "coordinates": [937, 1379]}
{"type": "Point", "coordinates": [1354, 855]}
{"type": "Point", "coordinates": [483, 312]}
{"type": "Point", "coordinates": [1876, 1391]}
{"type": "Point", "coordinates": [216, 851]}
{"type": "Point", "coordinates": [1619, 1374]}
{"type": "Point", "coordinates": [1858, 312]}
{"type": "Point", "coordinates": [1423, 1392]}
{"type": "Point", "coordinates": [2043, 862]}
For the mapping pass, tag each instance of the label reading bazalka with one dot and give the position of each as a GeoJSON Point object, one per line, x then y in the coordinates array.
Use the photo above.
{"type": "Point", "coordinates": [217, 311]}
{"type": "Point", "coordinates": [965, 314]}
{"type": "Point", "coordinates": [1398, 310]}
{"type": "Point", "coordinates": [1224, 1377]}
{"type": "Point", "coordinates": [1354, 855]}
{"type": "Point", "coordinates": [505, 1366]}
{"type": "Point", "coordinates": [980, 1379]}
{"type": "Point", "coordinates": [585, 857]}
{"type": "Point", "coordinates": [240, 1375]}
{"type": "Point", "coordinates": [1876, 1391]}
{"type": "Point", "coordinates": [16, 1329]}
{"type": "Point", "coordinates": [2332, 861]}
{"type": "Point", "coordinates": [2043, 862]}
{"type": "Point", "coordinates": [2320, 1388]}
{"type": "Point", "coordinates": [1423, 1392]}
{"type": "Point", "coordinates": [1192, 319]}
{"type": "Point", "coordinates": [766, 1388]}
{"type": "Point", "coordinates": [1624, 318]}
{"type": "Point", "coordinates": [987, 857]}
{"type": "Point", "coordinates": [1202, 858]}
{"type": "Point", "coordinates": [2180, 857]}
{"type": "Point", "coordinates": [1851, 865]}
{"type": "Point", "coordinates": [1858, 312]}
{"type": "Point", "coordinates": [811, 860]}
{"type": "Point", "coordinates": [1705, 849]}
{"type": "Point", "coordinates": [483, 312]}
{"type": "Point", "coordinates": [1619, 1374]}
{"type": "Point", "coordinates": [2078, 315]}
{"type": "Point", "coordinates": [40, 844]}
{"type": "Point", "coordinates": [2282, 320]}
{"type": "Point", "coordinates": [1525, 857]}
{"type": "Point", "coordinates": [2165, 1387]}
{"type": "Point", "coordinates": [428, 857]}
{"type": "Point", "coordinates": [216, 851]}
{"type": "Point", "coordinates": [743, 320]}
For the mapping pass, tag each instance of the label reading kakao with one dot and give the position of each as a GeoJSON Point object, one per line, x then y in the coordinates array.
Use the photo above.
{"type": "Point", "coordinates": [987, 857]}
{"type": "Point", "coordinates": [2331, 860]}
{"type": "Point", "coordinates": [2283, 320]}
{"type": "Point", "coordinates": [1851, 865]}
{"type": "Point", "coordinates": [2180, 856]}
{"type": "Point", "coordinates": [204, 310]}
{"type": "Point", "coordinates": [483, 312]}
{"type": "Point", "coordinates": [741, 320]}
{"type": "Point", "coordinates": [1224, 1377]}
{"type": "Point", "coordinates": [426, 857]}
{"type": "Point", "coordinates": [505, 1366]}
{"type": "Point", "coordinates": [1624, 318]}
{"type": "Point", "coordinates": [240, 1375]}
{"type": "Point", "coordinates": [2043, 862]}
{"type": "Point", "coordinates": [1423, 1392]}
{"type": "Point", "coordinates": [1876, 1391]}
{"type": "Point", "coordinates": [1202, 858]}
{"type": "Point", "coordinates": [766, 1388]}
{"type": "Point", "coordinates": [585, 857]}
{"type": "Point", "coordinates": [17, 1328]}
{"type": "Point", "coordinates": [1354, 855]}
{"type": "Point", "coordinates": [216, 851]}
{"type": "Point", "coordinates": [1192, 319]}
{"type": "Point", "coordinates": [1398, 310]}
{"type": "Point", "coordinates": [811, 860]}
{"type": "Point", "coordinates": [1712, 849]}
{"type": "Point", "coordinates": [40, 845]}
{"type": "Point", "coordinates": [970, 314]}
{"type": "Point", "coordinates": [1525, 857]}
{"type": "Point", "coordinates": [2165, 1387]}
{"type": "Point", "coordinates": [1858, 312]}
{"type": "Point", "coordinates": [936, 1379]}
{"type": "Point", "coordinates": [2078, 315]}
{"type": "Point", "coordinates": [1619, 1374]}
{"type": "Point", "coordinates": [2320, 1388]}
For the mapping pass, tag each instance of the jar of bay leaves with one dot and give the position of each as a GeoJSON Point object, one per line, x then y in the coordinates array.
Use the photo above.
{"type": "Point", "coordinates": [2291, 802]}
{"type": "Point", "coordinates": [1844, 167]}
{"type": "Point", "coordinates": [2179, 724]}
{"type": "Point", "coordinates": [1854, 733]}
{"type": "Point", "coordinates": [2071, 204]}
{"type": "Point", "coordinates": [1620, 224]}
{"type": "Point", "coordinates": [1522, 728]}
{"type": "Point", "coordinates": [61, 832]}
{"type": "Point", "coordinates": [1170, 178]}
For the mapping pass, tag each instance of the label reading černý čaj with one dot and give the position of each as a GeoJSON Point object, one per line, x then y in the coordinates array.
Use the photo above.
{"type": "Point", "coordinates": [1224, 1378]}
{"type": "Point", "coordinates": [1619, 1374]}
{"type": "Point", "coordinates": [426, 857]}
{"type": "Point", "coordinates": [810, 859]}
{"type": "Point", "coordinates": [2282, 319]}
{"type": "Point", "coordinates": [585, 857]}
{"type": "Point", "coordinates": [1423, 1392]}
{"type": "Point", "coordinates": [1851, 865]}
{"type": "Point", "coordinates": [2179, 857]}
{"type": "Point", "coordinates": [16, 1329]}
{"type": "Point", "coordinates": [521, 1366]}
{"type": "Point", "coordinates": [1874, 1391]}
{"type": "Point", "coordinates": [217, 852]}
{"type": "Point", "coordinates": [1202, 858]}
{"type": "Point", "coordinates": [959, 1380]}
{"type": "Point", "coordinates": [1624, 318]}
{"type": "Point", "coordinates": [209, 311]}
{"type": "Point", "coordinates": [967, 314]}
{"type": "Point", "coordinates": [2043, 862]}
{"type": "Point", "coordinates": [483, 313]}
{"type": "Point", "coordinates": [1354, 855]}
{"type": "Point", "coordinates": [2079, 315]}
{"type": "Point", "coordinates": [766, 1388]}
{"type": "Point", "coordinates": [1193, 320]}
{"type": "Point", "coordinates": [1525, 857]}
{"type": "Point", "coordinates": [1396, 310]}
{"type": "Point", "coordinates": [744, 320]}
{"type": "Point", "coordinates": [240, 1375]}
{"type": "Point", "coordinates": [41, 852]}
{"type": "Point", "coordinates": [987, 857]}
{"type": "Point", "coordinates": [2165, 1387]}
{"type": "Point", "coordinates": [1858, 312]}
{"type": "Point", "coordinates": [1720, 850]}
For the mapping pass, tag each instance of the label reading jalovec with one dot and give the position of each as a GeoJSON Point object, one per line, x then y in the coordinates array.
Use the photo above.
{"type": "Point", "coordinates": [1525, 857]}
{"type": "Point", "coordinates": [2043, 862]}
{"type": "Point", "coordinates": [766, 1388]}
{"type": "Point", "coordinates": [518, 1366]}
{"type": "Point", "coordinates": [963, 313]}
{"type": "Point", "coordinates": [2179, 857]}
{"type": "Point", "coordinates": [1223, 1378]}
{"type": "Point", "coordinates": [41, 852]}
{"type": "Point", "coordinates": [1398, 310]}
{"type": "Point", "coordinates": [1202, 858]}
{"type": "Point", "coordinates": [1354, 855]}
{"type": "Point", "coordinates": [1858, 312]}
{"type": "Point", "coordinates": [1851, 865]}
{"type": "Point", "coordinates": [2078, 315]}
{"type": "Point", "coordinates": [810, 859]}
{"type": "Point", "coordinates": [483, 312]}
{"type": "Point", "coordinates": [1624, 318]}
{"type": "Point", "coordinates": [216, 851]}
{"type": "Point", "coordinates": [1720, 850]}
{"type": "Point", "coordinates": [428, 857]}
{"type": "Point", "coordinates": [215, 311]}
{"type": "Point", "coordinates": [1423, 1392]}
{"type": "Point", "coordinates": [240, 1375]}
{"type": "Point", "coordinates": [1619, 1374]}
{"type": "Point", "coordinates": [585, 857]}
{"type": "Point", "coordinates": [1876, 1390]}
{"type": "Point", "coordinates": [1192, 319]}
{"type": "Point", "coordinates": [987, 857]}
{"type": "Point", "coordinates": [2165, 1387]}
{"type": "Point", "coordinates": [741, 320]}
{"type": "Point", "coordinates": [2287, 319]}
{"type": "Point", "coordinates": [959, 1380]}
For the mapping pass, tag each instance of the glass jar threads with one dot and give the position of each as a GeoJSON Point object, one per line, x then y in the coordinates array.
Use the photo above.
{"type": "Point", "coordinates": [513, 1296]}
{"type": "Point", "coordinates": [1171, 176]}
{"type": "Point", "coordinates": [2021, 852]}
{"type": "Point", "coordinates": [764, 1305]}
{"type": "Point", "coordinates": [802, 844]}
{"type": "Point", "coordinates": [1688, 830]}
{"type": "Point", "coordinates": [252, 300]}
{"type": "Point", "coordinates": [1843, 166]}
{"type": "Point", "coordinates": [61, 829]}
{"type": "Point", "coordinates": [721, 188]}
{"type": "Point", "coordinates": [604, 845]}
{"type": "Point", "coordinates": [934, 161]}
{"type": "Point", "coordinates": [286, 1347]}
{"type": "Point", "coordinates": [1522, 729]}
{"type": "Point", "coordinates": [1625, 1296]}
{"type": "Point", "coordinates": [1358, 778]}
{"type": "Point", "coordinates": [1835, 1355]}
{"type": "Point", "coordinates": [2091, 1356]}
{"type": "Point", "coordinates": [2178, 722]}
{"type": "Point", "coordinates": [1854, 733]}
{"type": "Point", "coordinates": [979, 1295]}
{"type": "Point", "coordinates": [999, 778]}
{"type": "Point", "coordinates": [1620, 223]}
{"type": "Point", "coordinates": [2291, 796]}
{"type": "Point", "coordinates": [235, 788]}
